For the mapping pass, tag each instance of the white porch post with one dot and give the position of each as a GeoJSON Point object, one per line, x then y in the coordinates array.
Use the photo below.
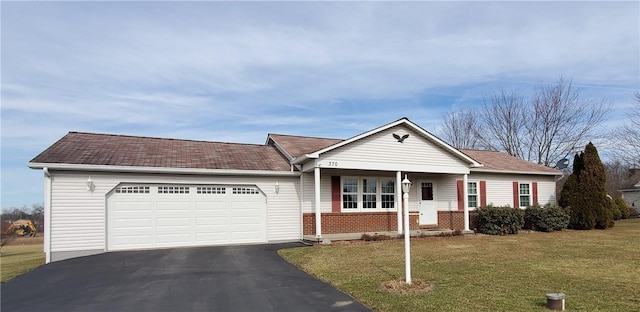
{"type": "Point", "coordinates": [316, 185]}
{"type": "Point", "coordinates": [465, 193]}
{"type": "Point", "coordinates": [399, 200]}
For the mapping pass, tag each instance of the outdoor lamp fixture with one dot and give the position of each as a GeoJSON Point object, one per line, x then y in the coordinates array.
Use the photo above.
{"type": "Point", "coordinates": [406, 187]}
{"type": "Point", "coordinates": [90, 185]}
{"type": "Point", "coordinates": [277, 188]}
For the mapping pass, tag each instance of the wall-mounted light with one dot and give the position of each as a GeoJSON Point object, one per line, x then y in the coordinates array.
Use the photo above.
{"type": "Point", "coordinates": [276, 188]}
{"type": "Point", "coordinates": [90, 186]}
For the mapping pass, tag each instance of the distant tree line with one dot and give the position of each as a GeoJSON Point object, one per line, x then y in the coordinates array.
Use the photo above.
{"type": "Point", "coordinates": [35, 213]}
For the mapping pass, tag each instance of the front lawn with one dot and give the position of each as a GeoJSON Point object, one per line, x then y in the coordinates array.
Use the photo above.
{"type": "Point", "coordinates": [19, 259]}
{"type": "Point", "coordinates": [598, 270]}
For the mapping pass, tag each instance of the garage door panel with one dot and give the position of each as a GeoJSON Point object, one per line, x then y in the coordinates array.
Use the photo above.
{"type": "Point", "coordinates": [132, 239]}
{"type": "Point", "coordinates": [215, 237]}
{"type": "Point", "coordinates": [187, 218]}
{"type": "Point", "coordinates": [169, 222]}
{"type": "Point", "coordinates": [245, 221]}
{"type": "Point", "coordinates": [212, 221]}
{"type": "Point", "coordinates": [173, 206]}
{"type": "Point", "coordinates": [132, 207]}
{"type": "Point", "coordinates": [175, 237]}
{"type": "Point", "coordinates": [126, 223]}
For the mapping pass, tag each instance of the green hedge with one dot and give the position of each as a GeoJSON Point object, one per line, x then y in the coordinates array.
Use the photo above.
{"type": "Point", "coordinates": [500, 220]}
{"type": "Point", "coordinates": [546, 218]}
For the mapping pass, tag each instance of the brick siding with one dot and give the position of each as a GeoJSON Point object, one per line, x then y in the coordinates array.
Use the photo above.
{"type": "Point", "coordinates": [455, 220]}
{"type": "Point", "coordinates": [354, 222]}
{"type": "Point", "coordinates": [335, 223]}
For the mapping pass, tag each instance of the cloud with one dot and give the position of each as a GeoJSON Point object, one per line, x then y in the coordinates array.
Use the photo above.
{"type": "Point", "coordinates": [236, 71]}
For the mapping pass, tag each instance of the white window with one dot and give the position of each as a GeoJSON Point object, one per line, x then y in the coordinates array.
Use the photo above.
{"type": "Point", "coordinates": [472, 193]}
{"type": "Point", "coordinates": [525, 195]}
{"type": "Point", "coordinates": [211, 190]}
{"type": "Point", "coordinates": [245, 190]}
{"type": "Point", "coordinates": [173, 190]}
{"type": "Point", "coordinates": [388, 191]}
{"type": "Point", "coordinates": [368, 194]}
{"type": "Point", "coordinates": [133, 190]}
{"type": "Point", "coordinates": [349, 193]}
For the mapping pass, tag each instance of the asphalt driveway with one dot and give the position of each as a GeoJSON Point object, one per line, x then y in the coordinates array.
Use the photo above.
{"type": "Point", "coordinates": [230, 278]}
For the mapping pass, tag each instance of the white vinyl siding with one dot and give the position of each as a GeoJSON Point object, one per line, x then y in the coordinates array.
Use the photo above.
{"type": "Point", "coordinates": [500, 187]}
{"type": "Point", "coordinates": [325, 191]}
{"type": "Point", "coordinates": [381, 151]}
{"type": "Point", "coordinates": [78, 217]}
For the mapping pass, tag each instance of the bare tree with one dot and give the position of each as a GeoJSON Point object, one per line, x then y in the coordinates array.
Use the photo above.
{"type": "Point", "coordinates": [459, 129]}
{"type": "Point", "coordinates": [627, 136]}
{"type": "Point", "coordinates": [504, 122]}
{"type": "Point", "coordinates": [555, 122]}
{"type": "Point", "coordinates": [560, 121]}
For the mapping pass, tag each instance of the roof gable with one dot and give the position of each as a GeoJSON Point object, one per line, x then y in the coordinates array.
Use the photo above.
{"type": "Point", "coordinates": [118, 150]}
{"type": "Point", "coordinates": [403, 121]}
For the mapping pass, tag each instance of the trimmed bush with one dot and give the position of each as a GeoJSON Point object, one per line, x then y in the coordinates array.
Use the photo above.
{"type": "Point", "coordinates": [622, 206]}
{"type": "Point", "coordinates": [546, 218]}
{"type": "Point", "coordinates": [500, 220]}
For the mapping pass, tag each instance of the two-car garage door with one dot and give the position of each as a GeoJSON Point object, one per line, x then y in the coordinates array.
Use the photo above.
{"type": "Point", "coordinates": [155, 216]}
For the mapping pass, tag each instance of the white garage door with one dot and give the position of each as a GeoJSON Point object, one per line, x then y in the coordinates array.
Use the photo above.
{"type": "Point", "coordinates": [150, 216]}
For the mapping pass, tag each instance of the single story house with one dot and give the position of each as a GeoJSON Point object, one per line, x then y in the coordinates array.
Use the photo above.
{"type": "Point", "coordinates": [113, 192]}
{"type": "Point", "coordinates": [632, 196]}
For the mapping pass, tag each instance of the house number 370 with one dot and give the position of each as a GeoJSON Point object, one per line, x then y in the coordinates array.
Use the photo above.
{"type": "Point", "coordinates": [333, 164]}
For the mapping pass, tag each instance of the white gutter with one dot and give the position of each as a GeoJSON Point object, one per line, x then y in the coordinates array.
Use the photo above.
{"type": "Point", "coordinates": [300, 159]}
{"type": "Point", "coordinates": [47, 214]}
{"type": "Point", "coordinates": [515, 172]}
{"type": "Point", "coordinates": [137, 169]}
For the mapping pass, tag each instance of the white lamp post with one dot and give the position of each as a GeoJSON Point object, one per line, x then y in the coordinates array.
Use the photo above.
{"type": "Point", "coordinates": [406, 187]}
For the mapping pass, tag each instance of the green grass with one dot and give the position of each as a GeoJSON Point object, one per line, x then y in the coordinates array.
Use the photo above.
{"type": "Point", "coordinates": [598, 270]}
{"type": "Point", "coordinates": [19, 259]}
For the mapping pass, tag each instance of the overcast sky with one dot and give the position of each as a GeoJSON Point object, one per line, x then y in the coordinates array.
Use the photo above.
{"type": "Point", "coordinates": [233, 72]}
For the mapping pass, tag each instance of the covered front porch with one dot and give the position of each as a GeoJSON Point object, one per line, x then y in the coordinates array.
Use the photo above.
{"type": "Point", "coordinates": [349, 203]}
{"type": "Point", "coordinates": [354, 186]}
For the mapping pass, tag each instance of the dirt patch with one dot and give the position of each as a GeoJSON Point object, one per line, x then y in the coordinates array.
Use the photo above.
{"type": "Point", "coordinates": [399, 287]}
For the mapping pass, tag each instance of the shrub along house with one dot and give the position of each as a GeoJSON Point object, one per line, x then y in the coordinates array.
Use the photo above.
{"type": "Point", "coordinates": [113, 192]}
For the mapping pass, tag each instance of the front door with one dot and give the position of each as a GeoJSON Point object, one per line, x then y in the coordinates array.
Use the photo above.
{"type": "Point", "coordinates": [428, 208]}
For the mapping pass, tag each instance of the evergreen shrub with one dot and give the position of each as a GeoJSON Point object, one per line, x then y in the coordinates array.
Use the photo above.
{"type": "Point", "coordinates": [546, 218]}
{"type": "Point", "coordinates": [500, 220]}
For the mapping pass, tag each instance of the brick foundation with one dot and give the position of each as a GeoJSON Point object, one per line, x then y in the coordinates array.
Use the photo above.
{"type": "Point", "coordinates": [455, 220]}
{"type": "Point", "coordinates": [353, 222]}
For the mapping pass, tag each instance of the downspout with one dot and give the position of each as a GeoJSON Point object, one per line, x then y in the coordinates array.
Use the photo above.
{"type": "Point", "coordinates": [465, 199]}
{"type": "Point", "coordinates": [316, 177]}
{"type": "Point", "coordinates": [301, 196]}
{"type": "Point", "coordinates": [47, 214]}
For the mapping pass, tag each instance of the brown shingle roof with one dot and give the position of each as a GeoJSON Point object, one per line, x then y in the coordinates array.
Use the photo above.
{"type": "Point", "coordinates": [298, 145]}
{"type": "Point", "coordinates": [119, 150]}
{"type": "Point", "coordinates": [499, 161]}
